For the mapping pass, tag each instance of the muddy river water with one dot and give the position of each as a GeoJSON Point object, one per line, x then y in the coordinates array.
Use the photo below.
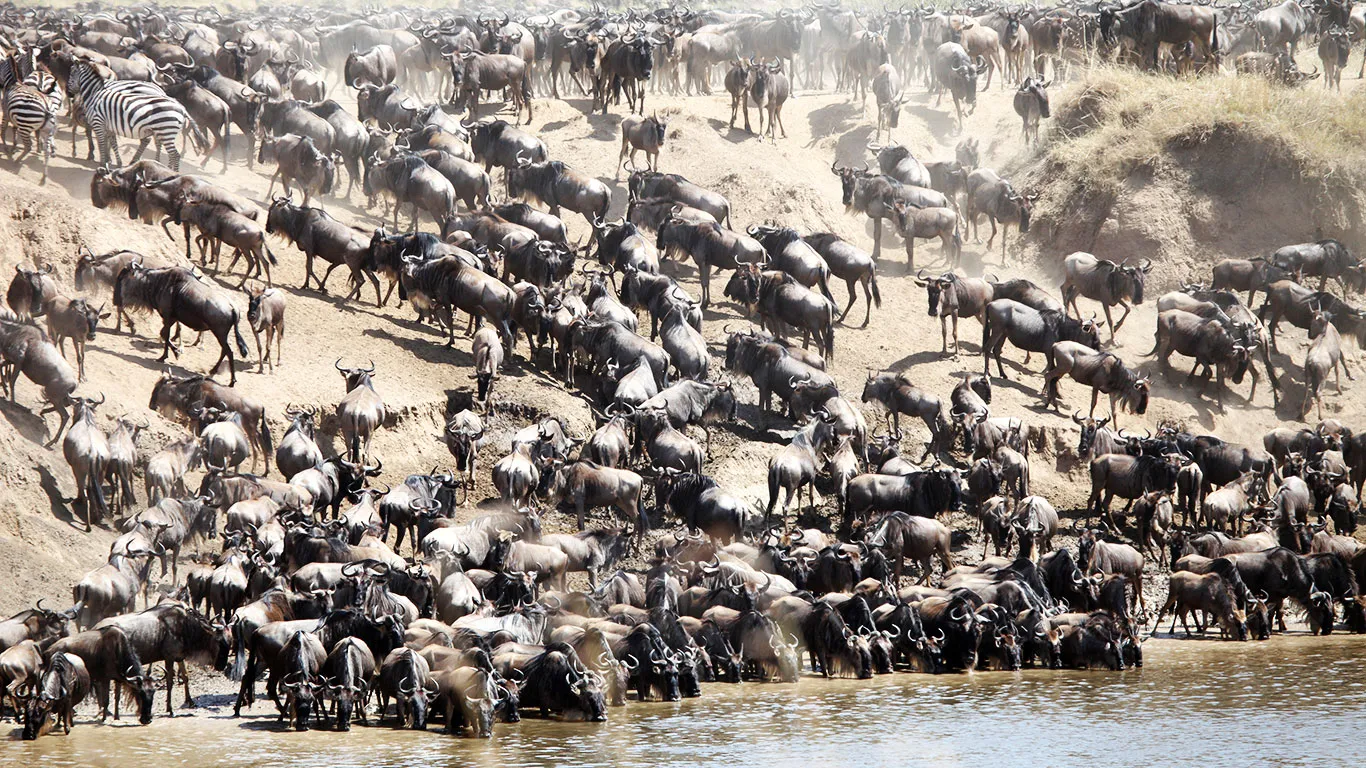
{"type": "Point", "coordinates": [1294, 700]}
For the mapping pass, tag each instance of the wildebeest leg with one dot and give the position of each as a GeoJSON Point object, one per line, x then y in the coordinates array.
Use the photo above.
{"type": "Point", "coordinates": [992, 237]}
{"type": "Point", "coordinates": [877, 238]}
{"type": "Point", "coordinates": [852, 285]}
{"type": "Point", "coordinates": [1095, 397]}
{"type": "Point", "coordinates": [167, 349]}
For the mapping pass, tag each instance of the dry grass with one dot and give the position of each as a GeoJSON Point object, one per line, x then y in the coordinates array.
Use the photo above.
{"type": "Point", "coordinates": [1118, 120]}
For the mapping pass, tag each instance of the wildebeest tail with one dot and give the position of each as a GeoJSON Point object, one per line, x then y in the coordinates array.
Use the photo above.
{"type": "Point", "coordinates": [986, 332]}
{"type": "Point", "coordinates": [267, 443]}
{"type": "Point", "coordinates": [239, 652]}
{"type": "Point", "coordinates": [95, 493]}
{"type": "Point", "coordinates": [829, 330]}
{"type": "Point", "coordinates": [872, 283]}
{"type": "Point", "coordinates": [1157, 342]}
{"type": "Point", "coordinates": [269, 255]}
{"type": "Point", "coordinates": [236, 331]}
{"type": "Point", "coordinates": [1214, 35]}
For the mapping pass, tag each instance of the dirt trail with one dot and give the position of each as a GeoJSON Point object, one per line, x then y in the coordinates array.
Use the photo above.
{"type": "Point", "coordinates": [421, 380]}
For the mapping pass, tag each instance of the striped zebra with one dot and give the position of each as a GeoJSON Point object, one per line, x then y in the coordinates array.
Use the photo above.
{"type": "Point", "coordinates": [131, 108]}
{"type": "Point", "coordinates": [31, 107]}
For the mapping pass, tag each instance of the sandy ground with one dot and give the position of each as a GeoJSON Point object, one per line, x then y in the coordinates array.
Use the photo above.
{"type": "Point", "coordinates": [789, 181]}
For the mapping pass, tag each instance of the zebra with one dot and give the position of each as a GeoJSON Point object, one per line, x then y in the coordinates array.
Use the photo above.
{"type": "Point", "coordinates": [130, 108]}
{"type": "Point", "coordinates": [32, 107]}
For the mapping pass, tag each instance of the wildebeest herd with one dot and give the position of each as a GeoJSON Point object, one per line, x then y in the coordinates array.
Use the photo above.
{"type": "Point", "coordinates": [297, 582]}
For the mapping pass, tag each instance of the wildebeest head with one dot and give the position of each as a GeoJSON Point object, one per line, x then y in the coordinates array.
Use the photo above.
{"type": "Point", "coordinates": [1036, 87]}
{"type": "Point", "coordinates": [849, 178]}
{"type": "Point", "coordinates": [743, 286]}
{"type": "Point", "coordinates": [302, 696]}
{"type": "Point", "coordinates": [935, 288]}
{"type": "Point", "coordinates": [1023, 206]}
{"type": "Point", "coordinates": [657, 128]}
{"type": "Point", "coordinates": [89, 315]}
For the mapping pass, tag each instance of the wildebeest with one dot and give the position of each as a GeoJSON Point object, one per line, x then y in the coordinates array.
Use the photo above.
{"type": "Point", "coordinates": [781, 301]}
{"type": "Point", "coordinates": [1325, 354]}
{"type": "Point", "coordinates": [710, 246]}
{"type": "Point", "coordinates": [1104, 281]}
{"type": "Point", "coordinates": [851, 264]}
{"type": "Point", "coordinates": [956, 71]}
{"type": "Point", "coordinates": [557, 186]}
{"type": "Point", "coordinates": [179, 296]}
{"type": "Point", "coordinates": [1030, 329]}
{"type": "Point", "coordinates": [86, 449]}
{"type": "Point", "coordinates": [1208, 341]}
{"type": "Point", "coordinates": [1031, 104]}
{"type": "Point", "coordinates": [1128, 477]}
{"type": "Point", "coordinates": [360, 412]}
{"type": "Point", "coordinates": [1103, 372]}
{"type": "Point", "coordinates": [988, 194]}
{"type": "Point", "coordinates": [1208, 592]}
{"type": "Point", "coordinates": [1150, 23]}
{"type": "Point", "coordinates": [642, 133]}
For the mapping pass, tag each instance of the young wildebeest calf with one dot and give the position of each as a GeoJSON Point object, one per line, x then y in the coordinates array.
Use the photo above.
{"type": "Point", "coordinates": [1102, 371]}
{"type": "Point", "coordinates": [1324, 354]}
{"type": "Point", "coordinates": [266, 314]}
{"type": "Point", "coordinates": [952, 297]}
{"type": "Point", "coordinates": [488, 359]}
{"type": "Point", "coordinates": [926, 223]}
{"type": "Point", "coordinates": [74, 319]}
{"type": "Point", "coordinates": [217, 225]}
{"type": "Point", "coordinates": [1031, 104]}
{"type": "Point", "coordinates": [642, 133]}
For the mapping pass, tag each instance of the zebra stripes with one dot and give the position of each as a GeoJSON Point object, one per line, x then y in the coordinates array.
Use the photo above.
{"type": "Point", "coordinates": [131, 108]}
{"type": "Point", "coordinates": [32, 107]}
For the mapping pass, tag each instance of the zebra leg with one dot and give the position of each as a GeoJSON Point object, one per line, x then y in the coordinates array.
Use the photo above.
{"type": "Point", "coordinates": [142, 147]}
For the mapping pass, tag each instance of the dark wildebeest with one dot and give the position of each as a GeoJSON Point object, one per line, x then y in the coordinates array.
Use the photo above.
{"type": "Point", "coordinates": [179, 296]}
{"type": "Point", "coordinates": [1030, 329]}
{"type": "Point", "coordinates": [1128, 477]}
{"type": "Point", "coordinates": [1151, 23]}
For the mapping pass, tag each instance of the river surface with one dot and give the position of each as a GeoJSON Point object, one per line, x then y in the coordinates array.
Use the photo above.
{"type": "Point", "coordinates": [1294, 700]}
